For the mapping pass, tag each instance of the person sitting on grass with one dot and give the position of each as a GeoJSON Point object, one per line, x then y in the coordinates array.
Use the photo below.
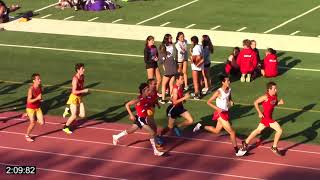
{"type": "Point", "coordinates": [231, 66]}
{"type": "Point", "coordinates": [270, 64]}
{"type": "Point", "coordinates": [4, 11]}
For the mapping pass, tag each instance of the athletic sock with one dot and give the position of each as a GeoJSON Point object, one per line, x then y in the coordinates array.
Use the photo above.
{"type": "Point", "coordinates": [123, 133]}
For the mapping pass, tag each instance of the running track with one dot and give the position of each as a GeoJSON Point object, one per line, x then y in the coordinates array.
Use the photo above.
{"type": "Point", "coordinates": [89, 154]}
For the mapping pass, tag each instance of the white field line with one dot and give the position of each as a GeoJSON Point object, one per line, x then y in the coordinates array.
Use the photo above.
{"type": "Point", "coordinates": [216, 27]}
{"type": "Point", "coordinates": [46, 7]}
{"type": "Point", "coordinates": [150, 149]}
{"type": "Point", "coordinates": [137, 132]}
{"type": "Point", "coordinates": [122, 162]}
{"type": "Point", "coordinates": [241, 29]}
{"type": "Point", "coordinates": [65, 172]}
{"type": "Point", "coordinates": [191, 25]}
{"type": "Point", "coordinates": [68, 17]}
{"type": "Point", "coordinates": [119, 54]}
{"type": "Point", "coordinates": [46, 16]}
{"type": "Point", "coordinates": [292, 19]}
{"type": "Point", "coordinates": [93, 19]}
{"type": "Point", "coordinates": [164, 24]}
{"type": "Point", "coordinates": [166, 12]}
{"type": "Point", "coordinates": [294, 33]}
{"type": "Point", "coordinates": [117, 20]}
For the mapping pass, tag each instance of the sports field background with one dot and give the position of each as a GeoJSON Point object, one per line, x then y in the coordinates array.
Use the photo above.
{"type": "Point", "coordinates": [114, 79]}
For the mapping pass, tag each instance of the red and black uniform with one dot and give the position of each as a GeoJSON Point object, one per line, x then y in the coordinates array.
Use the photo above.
{"type": "Point", "coordinates": [80, 84]}
{"type": "Point", "coordinates": [174, 111]}
{"type": "Point", "coordinates": [270, 65]}
{"type": "Point", "coordinates": [268, 107]}
{"type": "Point", "coordinates": [247, 60]}
{"type": "Point", "coordinates": [141, 108]}
{"type": "Point", "coordinates": [35, 92]}
{"type": "Point", "coordinates": [150, 56]}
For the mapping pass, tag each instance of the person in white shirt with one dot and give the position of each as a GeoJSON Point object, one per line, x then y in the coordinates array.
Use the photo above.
{"type": "Point", "coordinates": [223, 101]}
{"type": "Point", "coordinates": [182, 57]}
{"type": "Point", "coordinates": [197, 65]}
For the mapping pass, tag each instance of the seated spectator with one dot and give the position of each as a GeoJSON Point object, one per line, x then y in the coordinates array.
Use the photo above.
{"type": "Point", "coordinates": [247, 61]}
{"type": "Point", "coordinates": [270, 64]}
{"type": "Point", "coordinates": [4, 11]}
{"type": "Point", "coordinates": [100, 5]}
{"type": "Point", "coordinates": [231, 64]}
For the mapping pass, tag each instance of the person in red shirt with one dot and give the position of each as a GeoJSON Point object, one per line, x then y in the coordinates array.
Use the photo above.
{"type": "Point", "coordinates": [34, 100]}
{"type": "Point", "coordinates": [75, 99]}
{"type": "Point", "coordinates": [176, 109]}
{"type": "Point", "coordinates": [270, 64]}
{"type": "Point", "coordinates": [268, 101]}
{"type": "Point", "coordinates": [231, 66]}
{"type": "Point", "coordinates": [247, 61]}
{"type": "Point", "coordinates": [142, 105]}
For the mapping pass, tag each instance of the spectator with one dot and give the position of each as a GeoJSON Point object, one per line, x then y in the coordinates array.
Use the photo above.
{"type": "Point", "coordinates": [270, 64]}
{"type": "Point", "coordinates": [231, 66]}
{"type": "Point", "coordinates": [207, 51]}
{"type": "Point", "coordinates": [4, 11]}
{"type": "Point", "coordinates": [197, 65]}
{"type": "Point", "coordinates": [181, 46]}
{"type": "Point", "coordinates": [247, 61]}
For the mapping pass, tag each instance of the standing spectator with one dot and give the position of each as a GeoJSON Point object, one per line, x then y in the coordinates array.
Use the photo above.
{"type": "Point", "coordinates": [197, 65]}
{"type": "Point", "coordinates": [270, 64]}
{"type": "Point", "coordinates": [150, 59]}
{"type": "Point", "coordinates": [207, 51]}
{"type": "Point", "coordinates": [247, 61]}
{"type": "Point", "coordinates": [182, 53]}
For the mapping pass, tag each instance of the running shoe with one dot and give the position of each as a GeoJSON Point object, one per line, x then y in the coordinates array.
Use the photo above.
{"type": "Point", "coordinates": [67, 130]}
{"type": "Point", "coordinates": [29, 139]}
{"type": "Point", "coordinates": [276, 151]}
{"type": "Point", "coordinates": [114, 140]}
{"type": "Point", "coordinates": [197, 127]}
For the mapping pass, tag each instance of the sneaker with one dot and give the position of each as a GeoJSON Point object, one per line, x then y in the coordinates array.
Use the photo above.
{"type": "Point", "coordinates": [186, 88]}
{"type": "Point", "coordinates": [241, 152]}
{"type": "Point", "coordinates": [162, 101]}
{"type": "Point", "coordinates": [76, 8]}
{"type": "Point", "coordinates": [242, 79]}
{"type": "Point", "coordinates": [159, 140]}
{"type": "Point", "coordinates": [177, 131]}
{"type": "Point", "coordinates": [65, 113]}
{"type": "Point", "coordinates": [67, 130]}
{"type": "Point", "coordinates": [196, 97]}
{"type": "Point", "coordinates": [204, 91]}
{"type": "Point", "coordinates": [29, 139]}
{"type": "Point", "coordinates": [114, 140]}
{"type": "Point", "coordinates": [248, 79]}
{"type": "Point", "coordinates": [276, 151]}
{"type": "Point", "coordinates": [169, 102]}
{"type": "Point", "coordinates": [197, 127]}
{"type": "Point", "coordinates": [157, 153]}
{"type": "Point", "coordinates": [192, 94]}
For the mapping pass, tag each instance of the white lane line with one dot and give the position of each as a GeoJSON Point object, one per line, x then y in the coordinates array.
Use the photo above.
{"type": "Point", "coordinates": [119, 54]}
{"type": "Point", "coordinates": [137, 132]}
{"type": "Point", "coordinates": [46, 16]}
{"type": "Point", "coordinates": [123, 162]}
{"type": "Point", "coordinates": [68, 17]}
{"type": "Point", "coordinates": [46, 7]}
{"type": "Point", "coordinates": [216, 27]}
{"type": "Point", "coordinates": [191, 25]}
{"type": "Point", "coordinates": [292, 19]}
{"type": "Point", "coordinates": [294, 33]}
{"type": "Point", "coordinates": [166, 12]}
{"type": "Point", "coordinates": [164, 24]}
{"type": "Point", "coordinates": [66, 172]}
{"type": "Point", "coordinates": [241, 29]}
{"type": "Point", "coordinates": [117, 20]}
{"type": "Point", "coordinates": [93, 19]}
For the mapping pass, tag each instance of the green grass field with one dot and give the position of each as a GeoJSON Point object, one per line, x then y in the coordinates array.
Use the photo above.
{"type": "Point", "coordinates": [114, 80]}
{"type": "Point", "coordinates": [231, 15]}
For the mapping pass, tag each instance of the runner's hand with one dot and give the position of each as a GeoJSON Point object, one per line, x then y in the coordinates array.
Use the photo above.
{"type": "Point", "coordinates": [132, 118]}
{"type": "Point", "coordinates": [85, 90]}
{"type": "Point", "coordinates": [261, 115]}
{"type": "Point", "coordinates": [281, 102]}
{"type": "Point", "coordinates": [187, 96]}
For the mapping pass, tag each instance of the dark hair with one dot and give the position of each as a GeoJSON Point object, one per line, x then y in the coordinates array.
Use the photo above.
{"type": "Point", "coordinates": [272, 51]}
{"type": "Point", "coordinates": [237, 49]}
{"type": "Point", "coordinates": [150, 80]}
{"type": "Point", "coordinates": [162, 49]}
{"type": "Point", "coordinates": [179, 34]}
{"type": "Point", "coordinates": [166, 38]}
{"type": "Point", "coordinates": [78, 66]}
{"type": "Point", "coordinates": [223, 77]}
{"type": "Point", "coordinates": [194, 39]}
{"type": "Point", "coordinates": [142, 86]}
{"type": "Point", "coordinates": [148, 39]}
{"type": "Point", "coordinates": [207, 43]}
{"type": "Point", "coordinates": [270, 84]}
{"type": "Point", "coordinates": [178, 75]}
{"type": "Point", "coordinates": [34, 75]}
{"type": "Point", "coordinates": [246, 42]}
